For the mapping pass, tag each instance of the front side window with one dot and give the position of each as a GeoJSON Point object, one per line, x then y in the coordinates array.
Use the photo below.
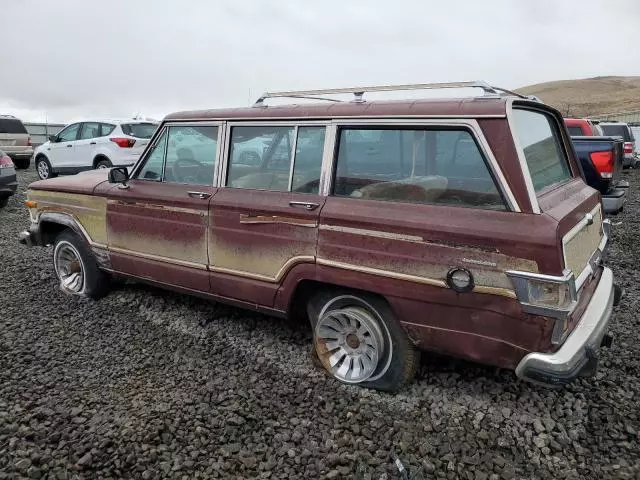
{"type": "Point", "coordinates": [69, 134]}
{"type": "Point", "coordinates": [154, 163]}
{"type": "Point", "coordinates": [414, 165]}
{"type": "Point", "coordinates": [543, 152]}
{"type": "Point", "coordinates": [191, 154]}
{"type": "Point", "coordinates": [90, 130]}
{"type": "Point", "coordinates": [263, 158]}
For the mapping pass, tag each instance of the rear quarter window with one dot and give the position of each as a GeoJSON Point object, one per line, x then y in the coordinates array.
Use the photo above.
{"type": "Point", "coordinates": [538, 136]}
{"type": "Point", "coordinates": [12, 125]}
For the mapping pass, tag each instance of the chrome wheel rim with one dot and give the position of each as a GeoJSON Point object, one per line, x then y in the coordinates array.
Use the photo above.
{"type": "Point", "coordinates": [69, 268]}
{"type": "Point", "coordinates": [43, 170]}
{"type": "Point", "coordinates": [350, 343]}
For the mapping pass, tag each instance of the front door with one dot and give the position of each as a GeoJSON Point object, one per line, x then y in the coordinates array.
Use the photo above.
{"type": "Point", "coordinates": [265, 220]}
{"type": "Point", "coordinates": [61, 153]}
{"type": "Point", "coordinates": [157, 223]}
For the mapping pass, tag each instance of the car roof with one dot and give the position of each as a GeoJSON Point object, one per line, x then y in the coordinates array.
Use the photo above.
{"type": "Point", "coordinates": [456, 107]}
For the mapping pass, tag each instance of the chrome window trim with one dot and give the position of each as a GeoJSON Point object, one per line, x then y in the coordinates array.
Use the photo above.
{"type": "Point", "coordinates": [474, 129]}
{"type": "Point", "coordinates": [294, 144]}
{"type": "Point", "coordinates": [326, 172]}
{"type": "Point", "coordinates": [524, 166]}
{"type": "Point", "coordinates": [222, 182]}
{"type": "Point", "coordinates": [328, 118]}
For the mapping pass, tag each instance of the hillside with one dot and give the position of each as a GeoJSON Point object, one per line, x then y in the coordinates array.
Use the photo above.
{"type": "Point", "coordinates": [589, 96]}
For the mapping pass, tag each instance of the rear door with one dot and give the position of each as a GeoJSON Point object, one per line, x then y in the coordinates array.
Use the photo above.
{"type": "Point", "coordinates": [264, 220]}
{"type": "Point", "coordinates": [158, 223]}
{"type": "Point", "coordinates": [84, 151]}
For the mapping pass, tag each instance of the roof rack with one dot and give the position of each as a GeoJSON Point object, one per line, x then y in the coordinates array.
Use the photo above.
{"type": "Point", "coordinates": [358, 92]}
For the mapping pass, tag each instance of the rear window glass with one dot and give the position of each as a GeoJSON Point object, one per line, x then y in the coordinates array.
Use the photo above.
{"type": "Point", "coordinates": [538, 138]}
{"type": "Point", "coordinates": [139, 130]}
{"type": "Point", "coordinates": [618, 131]}
{"type": "Point", "coordinates": [11, 125]}
{"type": "Point", "coordinates": [575, 131]}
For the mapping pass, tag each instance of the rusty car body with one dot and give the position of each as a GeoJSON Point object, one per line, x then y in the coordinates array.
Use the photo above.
{"type": "Point", "coordinates": [373, 229]}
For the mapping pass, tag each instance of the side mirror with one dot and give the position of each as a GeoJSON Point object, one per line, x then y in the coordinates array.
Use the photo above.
{"type": "Point", "coordinates": [53, 138]}
{"type": "Point", "coordinates": [118, 175]}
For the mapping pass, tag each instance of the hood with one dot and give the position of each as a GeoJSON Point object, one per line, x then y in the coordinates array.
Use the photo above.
{"type": "Point", "coordinates": [84, 182]}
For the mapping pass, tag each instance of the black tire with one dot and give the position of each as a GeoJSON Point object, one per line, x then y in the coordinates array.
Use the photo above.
{"type": "Point", "coordinates": [22, 163]}
{"type": "Point", "coordinates": [41, 159]}
{"type": "Point", "coordinates": [400, 361]}
{"type": "Point", "coordinates": [103, 162]}
{"type": "Point", "coordinates": [96, 282]}
{"type": "Point", "coordinates": [4, 201]}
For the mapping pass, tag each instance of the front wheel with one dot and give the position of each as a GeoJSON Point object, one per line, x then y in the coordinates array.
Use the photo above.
{"type": "Point", "coordinates": [76, 267]}
{"type": "Point", "coordinates": [43, 167]}
{"type": "Point", "coordinates": [358, 341]}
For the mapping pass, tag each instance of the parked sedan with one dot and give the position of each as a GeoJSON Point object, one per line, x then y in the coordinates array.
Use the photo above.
{"type": "Point", "coordinates": [93, 144]}
{"type": "Point", "coordinates": [8, 181]}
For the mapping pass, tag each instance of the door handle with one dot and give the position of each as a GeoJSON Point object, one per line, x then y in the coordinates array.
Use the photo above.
{"type": "Point", "coordinates": [68, 146]}
{"type": "Point", "coordinates": [306, 205]}
{"type": "Point", "coordinates": [92, 143]}
{"type": "Point", "coordinates": [200, 195]}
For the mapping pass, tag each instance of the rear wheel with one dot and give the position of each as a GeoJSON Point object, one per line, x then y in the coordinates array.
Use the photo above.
{"type": "Point", "coordinates": [43, 167]}
{"type": "Point", "coordinates": [104, 163]}
{"type": "Point", "coordinates": [358, 341]}
{"type": "Point", "coordinates": [76, 267]}
{"type": "Point", "coordinates": [22, 163]}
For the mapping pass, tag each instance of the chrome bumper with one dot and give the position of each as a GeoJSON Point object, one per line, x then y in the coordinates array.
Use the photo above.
{"type": "Point", "coordinates": [578, 353]}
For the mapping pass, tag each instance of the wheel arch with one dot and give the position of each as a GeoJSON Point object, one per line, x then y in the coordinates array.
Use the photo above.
{"type": "Point", "coordinates": [99, 157]}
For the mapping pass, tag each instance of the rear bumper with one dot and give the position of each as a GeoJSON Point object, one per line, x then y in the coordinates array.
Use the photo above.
{"type": "Point", "coordinates": [21, 155]}
{"type": "Point", "coordinates": [578, 354]}
{"type": "Point", "coordinates": [614, 200]}
{"type": "Point", "coordinates": [8, 185]}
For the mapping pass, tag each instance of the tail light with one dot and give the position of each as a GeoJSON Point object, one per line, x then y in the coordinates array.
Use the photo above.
{"type": "Point", "coordinates": [6, 162]}
{"type": "Point", "coordinates": [604, 163]}
{"type": "Point", "coordinates": [123, 142]}
{"type": "Point", "coordinates": [629, 147]}
{"type": "Point", "coordinates": [29, 142]}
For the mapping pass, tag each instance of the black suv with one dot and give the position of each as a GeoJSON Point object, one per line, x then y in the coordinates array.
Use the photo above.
{"type": "Point", "coordinates": [619, 129]}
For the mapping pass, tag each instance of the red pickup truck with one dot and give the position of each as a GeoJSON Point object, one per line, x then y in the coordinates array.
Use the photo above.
{"type": "Point", "coordinates": [582, 127]}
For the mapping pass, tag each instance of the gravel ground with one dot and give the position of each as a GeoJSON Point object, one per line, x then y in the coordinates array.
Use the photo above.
{"type": "Point", "coordinates": [149, 384]}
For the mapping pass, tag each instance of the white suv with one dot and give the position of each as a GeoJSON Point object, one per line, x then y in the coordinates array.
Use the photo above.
{"type": "Point", "coordinates": [93, 144]}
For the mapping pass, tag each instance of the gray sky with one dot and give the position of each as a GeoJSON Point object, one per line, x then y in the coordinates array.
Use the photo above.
{"type": "Point", "coordinates": [77, 58]}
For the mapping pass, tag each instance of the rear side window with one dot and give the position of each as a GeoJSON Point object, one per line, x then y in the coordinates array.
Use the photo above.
{"type": "Point", "coordinates": [11, 125]}
{"type": "Point", "coordinates": [575, 131]}
{"type": "Point", "coordinates": [415, 165]}
{"type": "Point", "coordinates": [106, 129]}
{"type": "Point", "coordinates": [276, 158]}
{"type": "Point", "coordinates": [139, 130]}
{"type": "Point", "coordinates": [540, 142]}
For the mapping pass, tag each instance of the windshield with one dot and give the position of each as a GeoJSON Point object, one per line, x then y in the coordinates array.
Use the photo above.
{"type": "Point", "coordinates": [139, 130]}
{"type": "Point", "coordinates": [11, 125]}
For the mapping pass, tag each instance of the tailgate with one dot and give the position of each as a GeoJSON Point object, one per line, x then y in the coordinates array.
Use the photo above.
{"type": "Point", "coordinates": [578, 210]}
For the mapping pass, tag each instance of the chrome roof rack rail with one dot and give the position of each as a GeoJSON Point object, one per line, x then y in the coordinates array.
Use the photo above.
{"type": "Point", "coordinates": [358, 92]}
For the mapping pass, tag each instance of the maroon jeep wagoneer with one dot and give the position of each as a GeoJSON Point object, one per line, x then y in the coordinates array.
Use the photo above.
{"type": "Point", "coordinates": [455, 226]}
